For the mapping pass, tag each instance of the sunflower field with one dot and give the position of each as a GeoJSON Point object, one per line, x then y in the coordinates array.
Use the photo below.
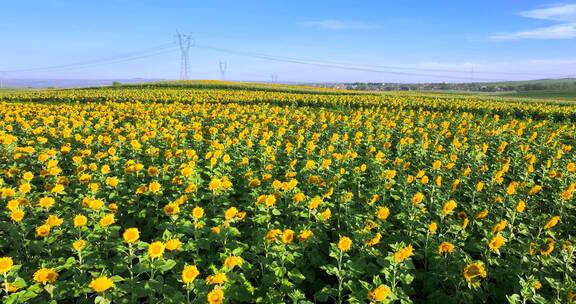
{"type": "Point", "coordinates": [247, 194]}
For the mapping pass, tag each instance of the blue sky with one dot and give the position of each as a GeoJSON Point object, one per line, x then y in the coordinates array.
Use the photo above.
{"type": "Point", "coordinates": [403, 41]}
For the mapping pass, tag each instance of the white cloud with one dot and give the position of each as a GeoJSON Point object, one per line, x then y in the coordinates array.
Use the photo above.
{"type": "Point", "coordinates": [555, 61]}
{"type": "Point", "coordinates": [564, 14]}
{"type": "Point", "coordinates": [560, 31]}
{"type": "Point", "coordinates": [332, 24]}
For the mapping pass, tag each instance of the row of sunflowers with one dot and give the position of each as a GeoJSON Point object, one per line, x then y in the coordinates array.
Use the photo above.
{"type": "Point", "coordinates": [243, 93]}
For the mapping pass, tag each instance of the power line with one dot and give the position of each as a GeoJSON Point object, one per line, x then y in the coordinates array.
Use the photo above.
{"type": "Point", "coordinates": [456, 71]}
{"type": "Point", "coordinates": [335, 66]}
{"type": "Point", "coordinates": [105, 60]}
{"type": "Point", "coordinates": [185, 41]}
{"type": "Point", "coordinates": [71, 68]}
{"type": "Point", "coordinates": [373, 66]}
{"type": "Point", "coordinates": [120, 61]}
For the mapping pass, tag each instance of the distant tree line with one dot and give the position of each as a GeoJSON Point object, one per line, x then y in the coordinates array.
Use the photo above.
{"type": "Point", "coordinates": [560, 85]}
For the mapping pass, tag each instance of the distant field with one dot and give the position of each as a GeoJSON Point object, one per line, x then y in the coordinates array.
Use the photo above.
{"type": "Point", "coordinates": [564, 88]}
{"type": "Point", "coordinates": [553, 94]}
{"type": "Point", "coordinates": [560, 95]}
{"type": "Point", "coordinates": [541, 94]}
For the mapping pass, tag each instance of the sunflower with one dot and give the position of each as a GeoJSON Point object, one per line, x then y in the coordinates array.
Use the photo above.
{"type": "Point", "coordinates": [482, 214]}
{"type": "Point", "coordinates": [156, 250]}
{"type": "Point", "coordinates": [233, 261]}
{"type": "Point", "coordinates": [270, 200]}
{"type": "Point", "coordinates": [80, 221]}
{"type": "Point", "coordinates": [173, 244]}
{"type": "Point", "coordinates": [45, 275]}
{"type": "Point", "coordinates": [197, 212]}
{"type": "Point", "coordinates": [230, 213]}
{"type": "Point", "coordinates": [189, 274]}
{"type": "Point", "coordinates": [432, 227]}
{"type": "Point", "coordinates": [95, 204]}
{"type": "Point", "coordinates": [101, 284]}
{"type": "Point", "coordinates": [17, 215]}
{"type": "Point", "coordinates": [479, 186]}
{"type": "Point", "coordinates": [58, 189]}
{"type": "Point", "coordinates": [215, 184]}
{"type": "Point", "coordinates": [344, 244]}
{"type": "Point", "coordinates": [28, 176]}
{"type": "Point", "coordinates": [217, 279]}
{"type": "Point", "coordinates": [520, 206]}
{"type": "Point", "coordinates": [154, 187]}
{"type": "Point", "coordinates": [552, 222]}
{"type": "Point", "coordinates": [375, 240]}
{"type": "Point", "coordinates": [474, 272]}
{"type": "Point", "coordinates": [403, 253]}
{"type": "Point", "coordinates": [499, 226]}
{"type": "Point", "coordinates": [43, 230]}
{"type": "Point", "coordinates": [171, 209]}
{"type": "Point", "coordinates": [6, 264]}
{"type": "Point", "coordinates": [417, 198]}
{"type": "Point", "coordinates": [315, 202]}
{"type": "Point", "coordinates": [326, 214]}
{"type": "Point", "coordinates": [25, 188]}
{"type": "Point", "coordinates": [549, 248]}
{"type": "Point", "coordinates": [299, 197]}
{"type": "Point", "coordinates": [449, 206]}
{"type": "Point", "coordinates": [131, 235]}
{"type": "Point", "coordinates": [79, 245]}
{"type": "Point", "coordinates": [186, 171]}
{"type": "Point", "coordinates": [306, 234]}
{"type": "Point", "coordinates": [112, 181]}
{"type": "Point", "coordinates": [54, 221]}
{"type": "Point", "coordinates": [496, 242]}
{"type": "Point", "coordinates": [107, 220]}
{"type": "Point", "coordinates": [445, 247]}
{"type": "Point", "coordinates": [46, 202]}
{"type": "Point", "coordinates": [287, 236]}
{"type": "Point", "coordinates": [379, 294]}
{"type": "Point", "coordinates": [382, 213]}
{"type": "Point", "coordinates": [215, 296]}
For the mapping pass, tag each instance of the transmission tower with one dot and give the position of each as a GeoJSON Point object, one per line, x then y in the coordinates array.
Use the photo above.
{"type": "Point", "coordinates": [2, 74]}
{"type": "Point", "coordinates": [223, 66]}
{"type": "Point", "coordinates": [185, 41]}
{"type": "Point", "coordinates": [274, 78]}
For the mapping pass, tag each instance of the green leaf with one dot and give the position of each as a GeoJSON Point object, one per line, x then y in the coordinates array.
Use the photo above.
{"type": "Point", "coordinates": [101, 300]}
{"type": "Point", "coordinates": [153, 285]}
{"type": "Point", "coordinates": [324, 294]}
{"type": "Point", "coordinates": [19, 282]}
{"type": "Point", "coordinates": [330, 269]}
{"type": "Point", "coordinates": [514, 299]}
{"type": "Point", "coordinates": [166, 265]}
{"type": "Point", "coordinates": [50, 289]}
{"type": "Point", "coordinates": [296, 276]}
{"type": "Point", "coordinates": [406, 278]}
